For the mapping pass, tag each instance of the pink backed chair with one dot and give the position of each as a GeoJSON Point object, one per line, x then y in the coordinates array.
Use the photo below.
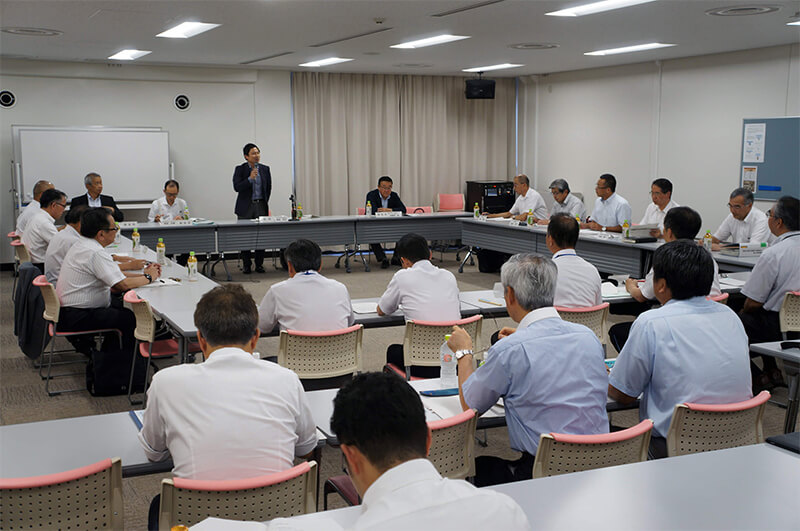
{"type": "Point", "coordinates": [361, 211]}
{"type": "Point", "coordinates": [52, 310]}
{"type": "Point", "coordinates": [419, 210]}
{"type": "Point", "coordinates": [450, 203]}
{"type": "Point", "coordinates": [89, 497]}
{"type": "Point", "coordinates": [592, 317]}
{"type": "Point", "coordinates": [722, 298]}
{"type": "Point", "coordinates": [146, 345]}
{"type": "Point", "coordinates": [561, 453]}
{"type": "Point", "coordinates": [320, 355]}
{"type": "Point", "coordinates": [704, 427]}
{"type": "Point", "coordinates": [283, 494]}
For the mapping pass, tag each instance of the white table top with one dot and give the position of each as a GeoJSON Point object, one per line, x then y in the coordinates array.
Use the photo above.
{"type": "Point", "coordinates": [774, 349]}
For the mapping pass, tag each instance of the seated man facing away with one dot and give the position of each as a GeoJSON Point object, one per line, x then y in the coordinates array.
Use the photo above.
{"type": "Point", "coordinates": [745, 223]}
{"type": "Point", "coordinates": [549, 372]}
{"type": "Point", "coordinates": [307, 300]}
{"type": "Point", "coordinates": [690, 349]}
{"type": "Point", "coordinates": [380, 423]}
{"type": "Point", "coordinates": [233, 416]}
{"type": "Point", "coordinates": [32, 207]}
{"type": "Point", "coordinates": [62, 242]}
{"type": "Point", "coordinates": [578, 284]}
{"type": "Point", "coordinates": [425, 292]}
{"type": "Point", "coordinates": [41, 226]}
{"type": "Point", "coordinates": [776, 273]}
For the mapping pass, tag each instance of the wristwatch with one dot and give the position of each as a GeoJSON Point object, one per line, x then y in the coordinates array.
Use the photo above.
{"type": "Point", "coordinates": [148, 277]}
{"type": "Point", "coordinates": [461, 353]}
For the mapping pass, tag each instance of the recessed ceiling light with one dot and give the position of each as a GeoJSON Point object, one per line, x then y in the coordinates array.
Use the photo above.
{"type": "Point", "coordinates": [596, 7]}
{"type": "Point", "coordinates": [430, 41]}
{"type": "Point", "coordinates": [491, 67]}
{"type": "Point", "coordinates": [326, 62]}
{"type": "Point", "coordinates": [741, 11]}
{"type": "Point", "coordinates": [33, 32]}
{"type": "Point", "coordinates": [630, 49]}
{"type": "Point", "coordinates": [129, 55]}
{"type": "Point", "coordinates": [795, 20]}
{"type": "Point", "coordinates": [185, 30]}
{"type": "Point", "coordinates": [534, 46]}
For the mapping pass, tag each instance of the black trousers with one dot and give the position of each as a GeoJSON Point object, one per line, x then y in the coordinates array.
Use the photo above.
{"type": "Point", "coordinates": [152, 515]}
{"type": "Point", "coordinates": [394, 355]}
{"type": "Point", "coordinates": [257, 208]}
{"type": "Point", "coordinates": [761, 326]}
{"type": "Point", "coordinates": [491, 470]}
{"type": "Point", "coordinates": [77, 319]}
{"type": "Point", "coordinates": [380, 254]}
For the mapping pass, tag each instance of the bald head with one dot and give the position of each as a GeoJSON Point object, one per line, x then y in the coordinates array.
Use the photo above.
{"type": "Point", "coordinates": [40, 187]}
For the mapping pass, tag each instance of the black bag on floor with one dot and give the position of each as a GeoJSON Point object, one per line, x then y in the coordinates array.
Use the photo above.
{"type": "Point", "coordinates": [108, 373]}
{"type": "Point", "coordinates": [491, 261]}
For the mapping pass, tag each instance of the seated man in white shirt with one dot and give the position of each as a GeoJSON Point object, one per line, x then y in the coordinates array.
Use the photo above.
{"type": "Point", "coordinates": [33, 206]}
{"type": "Point", "coordinates": [611, 210]}
{"type": "Point", "coordinates": [41, 227]}
{"type": "Point", "coordinates": [745, 223]}
{"type": "Point", "coordinates": [565, 202]}
{"type": "Point", "coordinates": [661, 194]}
{"type": "Point", "coordinates": [170, 207]}
{"type": "Point", "coordinates": [690, 349]}
{"type": "Point", "coordinates": [63, 242]}
{"type": "Point", "coordinates": [528, 200]}
{"type": "Point", "coordinates": [233, 416]}
{"type": "Point", "coordinates": [579, 284]}
{"type": "Point", "coordinates": [425, 292]}
{"type": "Point", "coordinates": [777, 272]}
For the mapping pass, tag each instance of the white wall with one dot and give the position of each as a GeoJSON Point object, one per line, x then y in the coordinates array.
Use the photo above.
{"type": "Point", "coordinates": [229, 107]}
{"type": "Point", "coordinates": [681, 120]}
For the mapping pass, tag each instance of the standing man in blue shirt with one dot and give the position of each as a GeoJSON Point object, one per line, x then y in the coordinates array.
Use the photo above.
{"type": "Point", "coordinates": [382, 199]}
{"type": "Point", "coordinates": [253, 182]}
{"type": "Point", "coordinates": [549, 372]}
{"type": "Point", "coordinates": [691, 349]}
{"type": "Point", "coordinates": [610, 209]}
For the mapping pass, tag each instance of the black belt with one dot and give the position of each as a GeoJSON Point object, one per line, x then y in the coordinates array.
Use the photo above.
{"type": "Point", "coordinates": [258, 201]}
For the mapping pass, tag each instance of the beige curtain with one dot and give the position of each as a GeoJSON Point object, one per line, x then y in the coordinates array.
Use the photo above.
{"type": "Point", "coordinates": [350, 129]}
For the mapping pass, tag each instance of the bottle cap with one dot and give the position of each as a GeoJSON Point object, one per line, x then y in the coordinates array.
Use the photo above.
{"type": "Point", "coordinates": [191, 253]}
{"type": "Point", "coordinates": [161, 240]}
{"type": "Point", "coordinates": [447, 337]}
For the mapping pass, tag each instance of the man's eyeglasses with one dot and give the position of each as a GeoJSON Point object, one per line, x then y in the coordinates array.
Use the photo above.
{"type": "Point", "coordinates": [62, 205]}
{"type": "Point", "coordinates": [114, 229]}
{"type": "Point", "coordinates": [735, 207]}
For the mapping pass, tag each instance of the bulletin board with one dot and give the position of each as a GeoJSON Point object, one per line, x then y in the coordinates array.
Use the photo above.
{"type": "Point", "coordinates": [770, 161]}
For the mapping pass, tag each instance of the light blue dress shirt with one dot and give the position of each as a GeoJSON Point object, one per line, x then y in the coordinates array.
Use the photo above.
{"type": "Point", "coordinates": [551, 376]}
{"type": "Point", "coordinates": [692, 350]}
{"type": "Point", "coordinates": [612, 211]}
{"type": "Point", "coordinates": [258, 186]}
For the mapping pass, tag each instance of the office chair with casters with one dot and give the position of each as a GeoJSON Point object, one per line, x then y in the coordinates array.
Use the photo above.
{"type": "Point", "coordinates": [356, 250]}
{"type": "Point", "coordinates": [419, 210]}
{"type": "Point", "coordinates": [592, 317]}
{"type": "Point", "coordinates": [321, 355]}
{"type": "Point", "coordinates": [451, 203]}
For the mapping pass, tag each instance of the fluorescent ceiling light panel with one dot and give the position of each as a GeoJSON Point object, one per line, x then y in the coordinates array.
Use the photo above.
{"type": "Point", "coordinates": [795, 23]}
{"type": "Point", "coordinates": [630, 49]}
{"type": "Point", "coordinates": [596, 7]}
{"type": "Point", "coordinates": [129, 55]}
{"type": "Point", "coordinates": [326, 62]}
{"type": "Point", "coordinates": [430, 41]}
{"type": "Point", "coordinates": [187, 29]}
{"type": "Point", "coordinates": [491, 67]}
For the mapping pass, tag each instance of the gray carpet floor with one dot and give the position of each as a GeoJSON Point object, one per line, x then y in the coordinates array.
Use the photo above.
{"type": "Point", "coordinates": [22, 396]}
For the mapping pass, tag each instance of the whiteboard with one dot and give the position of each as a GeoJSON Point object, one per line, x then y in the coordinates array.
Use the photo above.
{"type": "Point", "coordinates": [134, 163]}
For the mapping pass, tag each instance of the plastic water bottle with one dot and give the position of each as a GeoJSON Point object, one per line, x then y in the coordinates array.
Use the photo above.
{"type": "Point", "coordinates": [476, 211]}
{"type": "Point", "coordinates": [186, 213]}
{"type": "Point", "coordinates": [368, 209]}
{"type": "Point", "coordinates": [529, 219]}
{"type": "Point", "coordinates": [707, 241]}
{"type": "Point", "coordinates": [161, 252]}
{"type": "Point", "coordinates": [448, 364]}
{"type": "Point", "coordinates": [626, 229]}
{"type": "Point", "coordinates": [117, 235]}
{"type": "Point", "coordinates": [299, 211]}
{"type": "Point", "coordinates": [191, 266]}
{"type": "Point", "coordinates": [136, 238]}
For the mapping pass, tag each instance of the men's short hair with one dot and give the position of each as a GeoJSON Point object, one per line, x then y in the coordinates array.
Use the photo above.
{"type": "Point", "coordinates": [787, 210]}
{"type": "Point", "coordinates": [95, 219]}
{"type": "Point", "coordinates": [304, 255]}
{"type": "Point", "coordinates": [89, 178]}
{"type": "Point", "coordinates": [564, 230]}
{"type": "Point", "coordinates": [610, 181]}
{"type": "Point", "coordinates": [74, 214]}
{"type": "Point", "coordinates": [523, 179]}
{"type": "Point", "coordinates": [684, 222]}
{"type": "Point", "coordinates": [560, 184]}
{"type": "Point", "coordinates": [382, 416]}
{"type": "Point", "coordinates": [50, 196]}
{"type": "Point", "coordinates": [40, 187]}
{"type": "Point", "coordinates": [746, 194]}
{"type": "Point", "coordinates": [385, 179]}
{"type": "Point", "coordinates": [687, 268]}
{"type": "Point", "coordinates": [533, 279]}
{"type": "Point", "coordinates": [247, 147]}
{"type": "Point", "coordinates": [226, 315]}
{"type": "Point", "coordinates": [413, 248]}
{"type": "Point", "coordinates": [664, 185]}
{"type": "Point", "coordinates": [172, 182]}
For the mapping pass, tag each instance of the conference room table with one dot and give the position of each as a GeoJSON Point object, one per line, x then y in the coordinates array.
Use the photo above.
{"type": "Point", "coordinates": [791, 365]}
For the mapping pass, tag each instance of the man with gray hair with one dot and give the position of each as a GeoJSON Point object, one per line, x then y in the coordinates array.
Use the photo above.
{"type": "Point", "coordinates": [528, 200]}
{"type": "Point", "coordinates": [745, 223]}
{"type": "Point", "coordinates": [94, 197]}
{"type": "Point", "coordinates": [33, 207]}
{"type": "Point", "coordinates": [565, 202]}
{"type": "Point", "coordinates": [549, 372]}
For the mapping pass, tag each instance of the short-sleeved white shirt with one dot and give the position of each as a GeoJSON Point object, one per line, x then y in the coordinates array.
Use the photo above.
{"type": "Point", "coordinates": [752, 229]}
{"type": "Point", "coordinates": [57, 250]}
{"type": "Point", "coordinates": [424, 292]}
{"type": "Point", "coordinates": [611, 212]}
{"type": "Point", "coordinates": [532, 200]}
{"type": "Point", "coordinates": [649, 293]}
{"type": "Point", "coordinates": [578, 284]}
{"type": "Point", "coordinates": [87, 274]}
{"type": "Point", "coordinates": [776, 272]}
{"type": "Point", "coordinates": [654, 215]}
{"type": "Point", "coordinates": [38, 232]}
{"type": "Point", "coordinates": [571, 205]}
{"type": "Point", "coordinates": [160, 207]}
{"type": "Point", "coordinates": [25, 215]}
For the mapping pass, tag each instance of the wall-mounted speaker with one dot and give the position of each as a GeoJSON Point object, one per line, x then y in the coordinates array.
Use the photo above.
{"type": "Point", "coordinates": [479, 89]}
{"type": "Point", "coordinates": [182, 102]}
{"type": "Point", "coordinates": [7, 99]}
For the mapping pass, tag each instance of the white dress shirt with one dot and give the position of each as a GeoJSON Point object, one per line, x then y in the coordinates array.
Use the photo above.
{"type": "Point", "coordinates": [26, 214]}
{"type": "Point", "coordinates": [39, 231]}
{"type": "Point", "coordinates": [578, 284]}
{"type": "Point", "coordinates": [752, 229]}
{"type": "Point", "coordinates": [94, 202]}
{"type": "Point", "coordinates": [424, 292]}
{"type": "Point", "coordinates": [231, 417]}
{"type": "Point", "coordinates": [307, 302]}
{"type": "Point", "coordinates": [571, 205]}
{"type": "Point", "coordinates": [532, 200]}
{"type": "Point", "coordinates": [611, 212]}
{"type": "Point", "coordinates": [776, 272]}
{"type": "Point", "coordinates": [649, 292]}
{"type": "Point", "coordinates": [86, 276]}
{"type": "Point", "coordinates": [160, 207]}
{"type": "Point", "coordinates": [57, 250]}
{"type": "Point", "coordinates": [654, 215]}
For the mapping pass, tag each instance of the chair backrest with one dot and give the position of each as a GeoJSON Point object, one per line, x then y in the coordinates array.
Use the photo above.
{"type": "Point", "coordinates": [592, 317]}
{"type": "Point", "coordinates": [361, 211]}
{"type": "Point", "coordinates": [722, 298]}
{"type": "Point", "coordinates": [283, 494]}
{"type": "Point", "coordinates": [52, 306]}
{"type": "Point", "coordinates": [449, 202]}
{"type": "Point", "coordinates": [789, 314]}
{"type": "Point", "coordinates": [560, 453]}
{"type": "Point", "coordinates": [314, 355]}
{"type": "Point", "coordinates": [419, 210]}
{"type": "Point", "coordinates": [21, 251]}
{"type": "Point", "coordinates": [453, 445]}
{"type": "Point", "coordinates": [145, 320]}
{"type": "Point", "coordinates": [89, 497]}
{"type": "Point", "coordinates": [423, 339]}
{"type": "Point", "coordinates": [703, 427]}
